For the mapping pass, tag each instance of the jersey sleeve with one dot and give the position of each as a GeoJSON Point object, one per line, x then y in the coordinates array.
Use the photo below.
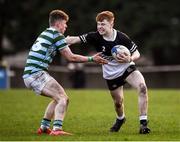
{"type": "Point", "coordinates": [59, 41]}
{"type": "Point", "coordinates": [128, 43]}
{"type": "Point", "coordinates": [89, 38]}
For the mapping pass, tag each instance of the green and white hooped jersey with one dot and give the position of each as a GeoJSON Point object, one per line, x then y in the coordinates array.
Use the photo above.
{"type": "Point", "coordinates": [43, 50]}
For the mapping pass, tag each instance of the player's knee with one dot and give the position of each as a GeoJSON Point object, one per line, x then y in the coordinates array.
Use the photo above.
{"type": "Point", "coordinates": [64, 100]}
{"type": "Point", "coordinates": [142, 88]}
{"type": "Point", "coordinates": [118, 103]}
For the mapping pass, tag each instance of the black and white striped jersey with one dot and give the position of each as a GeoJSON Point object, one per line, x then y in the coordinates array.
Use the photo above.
{"type": "Point", "coordinates": [113, 69]}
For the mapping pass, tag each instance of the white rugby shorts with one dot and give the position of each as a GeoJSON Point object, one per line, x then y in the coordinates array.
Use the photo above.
{"type": "Point", "coordinates": [37, 81]}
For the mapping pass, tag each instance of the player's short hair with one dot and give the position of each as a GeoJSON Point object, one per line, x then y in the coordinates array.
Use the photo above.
{"type": "Point", "coordinates": [56, 15]}
{"type": "Point", "coordinates": [108, 15]}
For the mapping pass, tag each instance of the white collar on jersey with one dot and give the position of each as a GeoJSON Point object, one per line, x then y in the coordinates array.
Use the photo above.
{"type": "Point", "coordinates": [52, 28]}
{"type": "Point", "coordinates": [113, 37]}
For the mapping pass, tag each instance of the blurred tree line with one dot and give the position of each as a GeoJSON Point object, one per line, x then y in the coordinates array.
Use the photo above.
{"type": "Point", "coordinates": [154, 25]}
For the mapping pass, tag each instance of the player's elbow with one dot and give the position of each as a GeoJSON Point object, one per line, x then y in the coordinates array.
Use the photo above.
{"type": "Point", "coordinates": [137, 54]}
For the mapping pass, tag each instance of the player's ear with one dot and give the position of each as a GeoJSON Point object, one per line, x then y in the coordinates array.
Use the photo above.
{"type": "Point", "coordinates": [112, 23]}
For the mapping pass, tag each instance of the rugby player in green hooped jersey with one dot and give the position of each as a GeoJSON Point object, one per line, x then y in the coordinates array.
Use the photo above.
{"type": "Point", "coordinates": [36, 77]}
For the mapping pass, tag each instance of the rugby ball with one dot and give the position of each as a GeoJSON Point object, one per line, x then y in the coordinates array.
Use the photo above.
{"type": "Point", "coordinates": [119, 49]}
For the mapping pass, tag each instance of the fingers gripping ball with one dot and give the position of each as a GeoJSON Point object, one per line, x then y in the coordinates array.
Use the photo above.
{"type": "Point", "coordinates": [119, 49]}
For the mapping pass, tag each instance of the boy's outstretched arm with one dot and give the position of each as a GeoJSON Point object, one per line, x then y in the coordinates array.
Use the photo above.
{"type": "Point", "coordinates": [72, 40]}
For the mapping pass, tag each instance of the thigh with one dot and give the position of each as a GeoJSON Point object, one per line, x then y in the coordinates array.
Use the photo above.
{"type": "Point", "coordinates": [117, 94]}
{"type": "Point", "coordinates": [53, 89]}
{"type": "Point", "coordinates": [135, 79]}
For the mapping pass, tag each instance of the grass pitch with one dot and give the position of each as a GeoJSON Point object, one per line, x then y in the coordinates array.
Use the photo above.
{"type": "Point", "coordinates": [90, 115]}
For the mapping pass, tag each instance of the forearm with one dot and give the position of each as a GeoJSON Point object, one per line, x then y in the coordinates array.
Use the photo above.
{"type": "Point", "coordinates": [80, 58]}
{"type": "Point", "coordinates": [66, 52]}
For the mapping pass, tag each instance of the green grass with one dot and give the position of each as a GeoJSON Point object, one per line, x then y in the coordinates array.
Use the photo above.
{"type": "Point", "coordinates": [90, 115]}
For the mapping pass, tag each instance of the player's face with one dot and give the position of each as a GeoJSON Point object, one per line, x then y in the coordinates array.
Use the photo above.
{"type": "Point", "coordinates": [104, 27]}
{"type": "Point", "coordinates": [62, 25]}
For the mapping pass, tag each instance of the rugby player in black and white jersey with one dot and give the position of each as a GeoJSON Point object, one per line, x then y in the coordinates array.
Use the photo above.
{"type": "Point", "coordinates": [117, 73]}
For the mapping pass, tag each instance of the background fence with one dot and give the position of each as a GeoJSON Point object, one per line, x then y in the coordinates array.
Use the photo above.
{"type": "Point", "coordinates": [91, 77]}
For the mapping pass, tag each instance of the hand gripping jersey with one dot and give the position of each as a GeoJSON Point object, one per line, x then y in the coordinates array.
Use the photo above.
{"type": "Point", "coordinates": [43, 50]}
{"type": "Point", "coordinates": [113, 69]}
